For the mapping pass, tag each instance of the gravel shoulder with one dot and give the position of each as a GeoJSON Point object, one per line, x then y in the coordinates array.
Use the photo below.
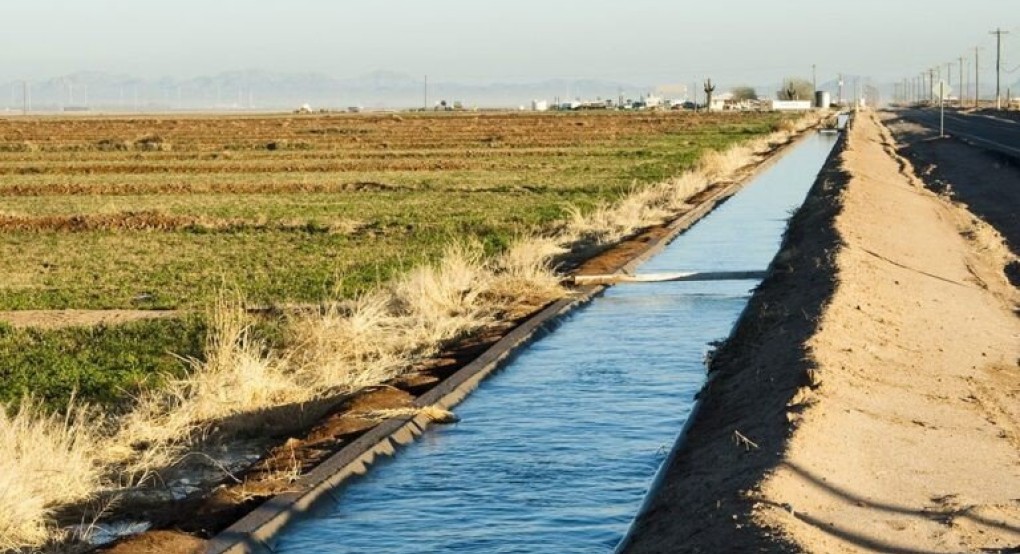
{"type": "Point", "coordinates": [869, 400]}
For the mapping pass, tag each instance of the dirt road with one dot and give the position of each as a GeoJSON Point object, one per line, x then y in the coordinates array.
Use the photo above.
{"type": "Point", "coordinates": [988, 183]}
{"type": "Point", "coordinates": [870, 400]}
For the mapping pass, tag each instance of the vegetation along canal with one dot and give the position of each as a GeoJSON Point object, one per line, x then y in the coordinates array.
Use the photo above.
{"type": "Point", "coordinates": [557, 451]}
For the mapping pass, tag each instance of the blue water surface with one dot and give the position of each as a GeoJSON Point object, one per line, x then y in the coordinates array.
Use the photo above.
{"type": "Point", "coordinates": [555, 452]}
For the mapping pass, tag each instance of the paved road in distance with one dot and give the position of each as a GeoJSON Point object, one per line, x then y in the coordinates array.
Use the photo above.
{"type": "Point", "coordinates": [990, 133]}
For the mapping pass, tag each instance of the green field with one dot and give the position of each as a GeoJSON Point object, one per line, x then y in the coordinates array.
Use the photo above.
{"type": "Point", "coordinates": [144, 213]}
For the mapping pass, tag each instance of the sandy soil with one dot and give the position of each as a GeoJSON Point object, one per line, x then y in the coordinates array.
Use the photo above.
{"type": "Point", "coordinates": [58, 319]}
{"type": "Point", "coordinates": [870, 399]}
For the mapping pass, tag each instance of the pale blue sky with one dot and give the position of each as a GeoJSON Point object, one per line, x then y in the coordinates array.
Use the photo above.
{"type": "Point", "coordinates": [474, 40]}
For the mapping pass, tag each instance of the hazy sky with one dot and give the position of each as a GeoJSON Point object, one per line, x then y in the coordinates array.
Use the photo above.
{"type": "Point", "coordinates": [641, 41]}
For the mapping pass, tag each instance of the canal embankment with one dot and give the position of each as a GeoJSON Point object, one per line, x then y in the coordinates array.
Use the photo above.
{"type": "Point", "coordinates": [868, 399]}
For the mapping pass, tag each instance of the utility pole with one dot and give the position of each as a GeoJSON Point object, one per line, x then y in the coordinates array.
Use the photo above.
{"type": "Point", "coordinates": [931, 80]}
{"type": "Point", "coordinates": [840, 99]}
{"type": "Point", "coordinates": [961, 82]}
{"type": "Point", "coordinates": [942, 109]}
{"type": "Point", "coordinates": [814, 78]}
{"type": "Point", "coordinates": [949, 74]}
{"type": "Point", "coordinates": [977, 77]}
{"type": "Point", "coordinates": [998, 66]}
{"type": "Point", "coordinates": [426, 106]}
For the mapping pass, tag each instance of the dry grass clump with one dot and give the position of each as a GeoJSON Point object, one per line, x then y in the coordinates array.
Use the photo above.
{"type": "Point", "coordinates": [373, 338]}
{"type": "Point", "coordinates": [644, 207]}
{"type": "Point", "coordinates": [522, 279]}
{"type": "Point", "coordinates": [47, 461]}
{"type": "Point", "coordinates": [239, 375]}
{"type": "Point", "coordinates": [24, 146]}
{"type": "Point", "coordinates": [112, 145]}
{"type": "Point", "coordinates": [718, 166]}
{"type": "Point", "coordinates": [153, 143]}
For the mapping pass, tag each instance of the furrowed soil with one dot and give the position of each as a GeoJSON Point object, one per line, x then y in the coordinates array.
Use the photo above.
{"type": "Point", "coordinates": [136, 213]}
{"type": "Point", "coordinates": [869, 400]}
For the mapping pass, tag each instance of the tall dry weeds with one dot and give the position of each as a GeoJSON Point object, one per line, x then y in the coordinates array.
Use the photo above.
{"type": "Point", "coordinates": [238, 375]}
{"type": "Point", "coordinates": [47, 461]}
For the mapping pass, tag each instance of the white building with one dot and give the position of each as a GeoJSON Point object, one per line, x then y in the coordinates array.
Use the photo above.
{"type": "Point", "coordinates": [788, 105]}
{"type": "Point", "coordinates": [652, 101]}
{"type": "Point", "coordinates": [721, 102]}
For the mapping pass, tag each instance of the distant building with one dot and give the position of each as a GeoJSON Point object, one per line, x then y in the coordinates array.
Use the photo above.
{"type": "Point", "coordinates": [722, 102]}
{"type": "Point", "coordinates": [651, 101]}
{"type": "Point", "coordinates": [539, 105]}
{"type": "Point", "coordinates": [788, 105]}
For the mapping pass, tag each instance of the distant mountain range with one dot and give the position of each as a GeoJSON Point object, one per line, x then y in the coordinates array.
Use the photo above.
{"type": "Point", "coordinates": [264, 90]}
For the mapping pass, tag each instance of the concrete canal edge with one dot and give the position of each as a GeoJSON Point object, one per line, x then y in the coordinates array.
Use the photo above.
{"type": "Point", "coordinates": [253, 533]}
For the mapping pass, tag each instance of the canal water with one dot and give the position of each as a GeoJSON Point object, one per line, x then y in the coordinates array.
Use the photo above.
{"type": "Point", "coordinates": [555, 452]}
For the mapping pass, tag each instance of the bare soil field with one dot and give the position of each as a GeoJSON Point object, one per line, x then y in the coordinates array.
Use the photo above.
{"type": "Point", "coordinates": [869, 401]}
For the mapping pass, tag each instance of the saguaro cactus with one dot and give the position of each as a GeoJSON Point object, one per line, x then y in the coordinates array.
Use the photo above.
{"type": "Point", "coordinates": [709, 89]}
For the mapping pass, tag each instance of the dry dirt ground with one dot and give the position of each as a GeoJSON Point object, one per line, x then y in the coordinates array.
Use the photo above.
{"type": "Point", "coordinates": [987, 183]}
{"type": "Point", "coordinates": [870, 398]}
{"type": "Point", "coordinates": [57, 319]}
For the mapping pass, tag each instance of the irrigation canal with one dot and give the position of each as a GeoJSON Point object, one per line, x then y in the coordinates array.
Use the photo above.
{"type": "Point", "coordinates": [556, 452]}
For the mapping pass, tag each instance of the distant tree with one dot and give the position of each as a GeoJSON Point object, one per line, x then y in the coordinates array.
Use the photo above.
{"type": "Point", "coordinates": [744, 93]}
{"type": "Point", "coordinates": [797, 89]}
